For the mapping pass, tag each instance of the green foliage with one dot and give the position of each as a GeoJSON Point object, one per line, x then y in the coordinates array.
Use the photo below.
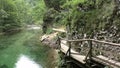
{"type": "Point", "coordinates": [17, 13]}
{"type": "Point", "coordinates": [38, 11]}
{"type": "Point", "coordinates": [72, 3]}
{"type": "Point", "coordinates": [85, 16]}
{"type": "Point", "coordinates": [54, 4]}
{"type": "Point", "coordinates": [30, 11]}
{"type": "Point", "coordinates": [8, 14]}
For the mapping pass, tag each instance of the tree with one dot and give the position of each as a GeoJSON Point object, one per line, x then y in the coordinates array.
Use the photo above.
{"type": "Point", "coordinates": [8, 15]}
{"type": "Point", "coordinates": [54, 4]}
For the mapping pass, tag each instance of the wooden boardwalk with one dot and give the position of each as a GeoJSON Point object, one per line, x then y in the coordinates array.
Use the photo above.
{"type": "Point", "coordinates": [65, 48]}
{"type": "Point", "coordinates": [106, 61]}
{"type": "Point", "coordinates": [59, 30]}
{"type": "Point", "coordinates": [68, 51]}
{"type": "Point", "coordinates": [81, 58]}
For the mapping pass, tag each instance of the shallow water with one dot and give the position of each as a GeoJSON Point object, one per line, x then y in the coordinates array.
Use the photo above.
{"type": "Point", "coordinates": [26, 62]}
{"type": "Point", "coordinates": [20, 50]}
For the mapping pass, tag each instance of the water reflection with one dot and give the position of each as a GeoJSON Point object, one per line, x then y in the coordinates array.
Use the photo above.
{"type": "Point", "coordinates": [26, 62]}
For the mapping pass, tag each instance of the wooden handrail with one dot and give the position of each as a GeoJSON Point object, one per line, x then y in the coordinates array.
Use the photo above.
{"type": "Point", "coordinates": [90, 54]}
{"type": "Point", "coordinates": [104, 42]}
{"type": "Point", "coordinates": [93, 40]}
{"type": "Point", "coordinates": [79, 40]}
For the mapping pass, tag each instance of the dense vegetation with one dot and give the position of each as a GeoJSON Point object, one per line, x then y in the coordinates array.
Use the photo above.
{"type": "Point", "coordinates": [99, 19]}
{"type": "Point", "coordinates": [84, 16]}
{"type": "Point", "coordinates": [95, 19]}
{"type": "Point", "coordinates": [17, 13]}
{"type": "Point", "coordinates": [90, 17]}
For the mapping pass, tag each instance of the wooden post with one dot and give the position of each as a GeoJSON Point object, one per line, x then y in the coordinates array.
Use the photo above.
{"type": "Point", "coordinates": [68, 27]}
{"type": "Point", "coordinates": [59, 43]}
{"type": "Point", "coordinates": [90, 53]}
{"type": "Point", "coordinates": [69, 51]}
{"type": "Point", "coordinates": [69, 44]}
{"type": "Point", "coordinates": [90, 43]}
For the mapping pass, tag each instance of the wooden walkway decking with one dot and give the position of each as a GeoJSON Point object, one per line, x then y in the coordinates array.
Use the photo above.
{"type": "Point", "coordinates": [65, 48]}
{"type": "Point", "coordinates": [81, 58]}
{"type": "Point", "coordinates": [59, 30]}
{"type": "Point", "coordinates": [106, 61]}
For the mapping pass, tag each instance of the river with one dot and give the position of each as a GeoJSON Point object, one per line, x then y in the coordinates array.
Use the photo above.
{"type": "Point", "coordinates": [23, 50]}
{"type": "Point", "coordinates": [26, 62]}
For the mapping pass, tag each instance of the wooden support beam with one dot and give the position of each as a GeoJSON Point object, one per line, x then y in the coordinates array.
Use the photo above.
{"type": "Point", "coordinates": [106, 61]}
{"type": "Point", "coordinates": [59, 30]}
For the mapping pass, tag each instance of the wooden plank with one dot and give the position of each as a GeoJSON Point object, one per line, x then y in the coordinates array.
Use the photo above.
{"type": "Point", "coordinates": [59, 30]}
{"type": "Point", "coordinates": [106, 61]}
{"type": "Point", "coordinates": [64, 49]}
{"type": "Point", "coordinates": [81, 58]}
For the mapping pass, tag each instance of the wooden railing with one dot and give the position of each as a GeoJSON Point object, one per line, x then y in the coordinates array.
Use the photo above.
{"type": "Point", "coordinates": [93, 47]}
